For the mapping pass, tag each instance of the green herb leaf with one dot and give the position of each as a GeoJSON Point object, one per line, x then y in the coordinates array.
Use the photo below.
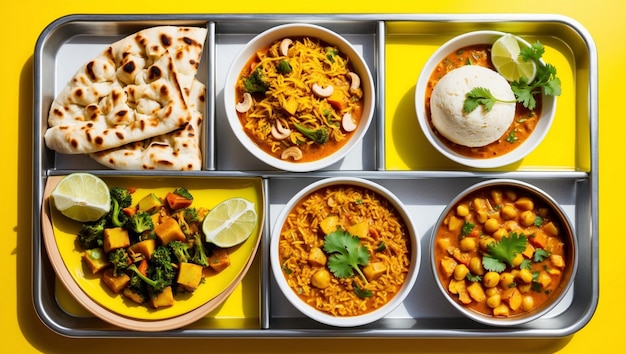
{"type": "Point", "coordinates": [501, 253]}
{"type": "Point", "coordinates": [511, 138]}
{"type": "Point", "coordinates": [480, 96]}
{"type": "Point", "coordinates": [538, 221]}
{"type": "Point", "coordinates": [346, 254]}
{"type": "Point", "coordinates": [473, 278]}
{"type": "Point", "coordinates": [467, 228]}
{"type": "Point", "coordinates": [362, 293]}
{"type": "Point", "coordinates": [540, 255]}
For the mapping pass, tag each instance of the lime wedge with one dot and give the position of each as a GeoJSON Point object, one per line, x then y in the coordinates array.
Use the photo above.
{"type": "Point", "coordinates": [82, 197]}
{"type": "Point", "coordinates": [230, 223]}
{"type": "Point", "coordinates": [507, 61]}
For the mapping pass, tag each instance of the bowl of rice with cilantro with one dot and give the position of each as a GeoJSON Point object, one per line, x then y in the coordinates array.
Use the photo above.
{"type": "Point", "coordinates": [344, 251]}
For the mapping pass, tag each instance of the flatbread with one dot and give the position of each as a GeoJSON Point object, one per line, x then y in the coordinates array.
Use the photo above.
{"type": "Point", "coordinates": [131, 92]}
{"type": "Point", "coordinates": [179, 150]}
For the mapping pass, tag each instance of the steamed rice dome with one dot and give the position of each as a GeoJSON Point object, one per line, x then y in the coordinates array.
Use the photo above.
{"type": "Point", "coordinates": [478, 128]}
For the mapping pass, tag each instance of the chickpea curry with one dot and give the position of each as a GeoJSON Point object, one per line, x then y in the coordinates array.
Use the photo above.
{"type": "Point", "coordinates": [523, 124]}
{"type": "Point", "coordinates": [501, 252]}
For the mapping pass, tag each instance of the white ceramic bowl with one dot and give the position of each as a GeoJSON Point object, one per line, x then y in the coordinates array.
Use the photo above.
{"type": "Point", "coordinates": [324, 317]}
{"type": "Point", "coordinates": [566, 232]}
{"type": "Point", "coordinates": [473, 38]}
{"type": "Point", "coordinates": [294, 30]}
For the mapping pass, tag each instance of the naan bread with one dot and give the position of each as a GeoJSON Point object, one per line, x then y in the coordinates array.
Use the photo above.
{"type": "Point", "coordinates": [179, 150]}
{"type": "Point", "coordinates": [131, 92]}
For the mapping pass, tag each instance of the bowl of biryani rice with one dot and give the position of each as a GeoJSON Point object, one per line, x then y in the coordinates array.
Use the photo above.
{"type": "Point", "coordinates": [299, 97]}
{"type": "Point", "coordinates": [344, 251]}
{"type": "Point", "coordinates": [485, 136]}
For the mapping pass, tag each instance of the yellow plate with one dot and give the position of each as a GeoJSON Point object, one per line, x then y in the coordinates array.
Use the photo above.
{"type": "Point", "coordinates": [60, 232]}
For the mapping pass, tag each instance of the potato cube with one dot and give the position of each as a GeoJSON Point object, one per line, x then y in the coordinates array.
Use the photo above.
{"type": "Point", "coordinates": [189, 275]}
{"type": "Point", "coordinates": [458, 287]}
{"type": "Point", "coordinates": [115, 238]}
{"type": "Point", "coordinates": [219, 259]}
{"type": "Point", "coordinates": [163, 299]}
{"type": "Point", "coordinates": [360, 229]}
{"type": "Point", "coordinates": [447, 266]}
{"type": "Point", "coordinates": [133, 296]}
{"type": "Point", "coordinates": [145, 247]}
{"type": "Point", "coordinates": [513, 297]}
{"type": "Point", "coordinates": [95, 259]}
{"type": "Point", "coordinates": [317, 257]}
{"type": "Point", "coordinates": [329, 224]}
{"type": "Point", "coordinates": [115, 283]}
{"type": "Point", "coordinates": [169, 230]}
{"type": "Point", "coordinates": [374, 270]}
{"type": "Point", "coordinates": [476, 292]}
{"type": "Point", "coordinates": [455, 224]}
{"type": "Point", "coordinates": [150, 203]}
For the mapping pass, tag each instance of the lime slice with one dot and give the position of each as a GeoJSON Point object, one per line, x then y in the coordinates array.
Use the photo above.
{"type": "Point", "coordinates": [230, 223]}
{"type": "Point", "coordinates": [507, 61]}
{"type": "Point", "coordinates": [82, 197]}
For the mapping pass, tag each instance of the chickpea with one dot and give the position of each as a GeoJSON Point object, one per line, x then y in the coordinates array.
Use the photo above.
{"type": "Point", "coordinates": [476, 266]}
{"type": "Point", "coordinates": [510, 195]}
{"type": "Point", "coordinates": [482, 216]}
{"type": "Point", "coordinates": [496, 196]}
{"type": "Point", "coordinates": [518, 259]}
{"type": "Point", "coordinates": [500, 233]}
{"type": "Point", "coordinates": [491, 279]}
{"type": "Point", "coordinates": [494, 301]}
{"type": "Point", "coordinates": [492, 291]}
{"type": "Point", "coordinates": [501, 310]}
{"type": "Point", "coordinates": [484, 241]}
{"type": "Point", "coordinates": [527, 218]}
{"type": "Point", "coordinates": [462, 210]}
{"type": "Point", "coordinates": [468, 244]}
{"type": "Point", "coordinates": [491, 225]}
{"type": "Point", "coordinates": [525, 275]}
{"type": "Point", "coordinates": [460, 272]}
{"type": "Point", "coordinates": [528, 303]}
{"type": "Point", "coordinates": [508, 212]}
{"type": "Point", "coordinates": [506, 279]}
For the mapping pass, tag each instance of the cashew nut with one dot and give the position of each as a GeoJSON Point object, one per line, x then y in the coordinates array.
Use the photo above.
{"type": "Point", "coordinates": [244, 105]}
{"type": "Point", "coordinates": [284, 46]}
{"type": "Point", "coordinates": [348, 123]}
{"type": "Point", "coordinates": [355, 81]}
{"type": "Point", "coordinates": [293, 152]}
{"type": "Point", "coordinates": [323, 92]}
{"type": "Point", "coordinates": [279, 132]}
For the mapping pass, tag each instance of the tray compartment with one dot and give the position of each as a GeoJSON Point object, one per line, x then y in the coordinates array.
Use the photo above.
{"type": "Point", "coordinates": [425, 184]}
{"type": "Point", "coordinates": [231, 36]}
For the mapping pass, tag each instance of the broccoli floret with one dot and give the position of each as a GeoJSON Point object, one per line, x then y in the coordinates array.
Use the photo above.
{"type": "Point", "coordinates": [283, 67]}
{"type": "Point", "coordinates": [191, 215]}
{"type": "Point", "coordinates": [319, 135]}
{"type": "Point", "coordinates": [120, 199]}
{"type": "Point", "coordinates": [198, 252]}
{"type": "Point", "coordinates": [157, 285]}
{"type": "Point", "coordinates": [161, 257]}
{"type": "Point", "coordinates": [91, 235]}
{"type": "Point", "coordinates": [137, 286]}
{"type": "Point", "coordinates": [183, 192]}
{"type": "Point", "coordinates": [257, 82]}
{"type": "Point", "coordinates": [120, 260]}
{"type": "Point", "coordinates": [180, 251]}
{"type": "Point", "coordinates": [140, 224]}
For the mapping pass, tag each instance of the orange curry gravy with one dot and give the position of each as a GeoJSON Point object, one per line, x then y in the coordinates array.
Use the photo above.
{"type": "Point", "coordinates": [523, 124]}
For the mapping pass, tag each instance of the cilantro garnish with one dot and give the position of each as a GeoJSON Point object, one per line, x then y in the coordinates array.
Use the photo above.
{"type": "Point", "coordinates": [538, 221]}
{"type": "Point", "coordinates": [346, 254]}
{"type": "Point", "coordinates": [540, 255]}
{"type": "Point", "coordinates": [473, 277]}
{"type": "Point", "coordinates": [467, 228]}
{"type": "Point", "coordinates": [511, 138]}
{"type": "Point", "coordinates": [501, 253]}
{"type": "Point", "coordinates": [362, 293]}
{"type": "Point", "coordinates": [545, 82]}
{"type": "Point", "coordinates": [481, 96]}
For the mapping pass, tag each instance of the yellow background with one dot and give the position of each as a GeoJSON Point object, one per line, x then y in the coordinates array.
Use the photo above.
{"type": "Point", "coordinates": [22, 332]}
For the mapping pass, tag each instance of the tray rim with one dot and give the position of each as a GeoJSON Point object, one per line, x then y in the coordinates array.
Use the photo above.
{"type": "Point", "coordinates": [381, 19]}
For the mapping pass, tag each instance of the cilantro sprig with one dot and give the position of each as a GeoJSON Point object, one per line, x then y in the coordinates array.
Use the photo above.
{"type": "Point", "coordinates": [545, 82]}
{"type": "Point", "coordinates": [346, 254]}
{"type": "Point", "coordinates": [502, 252]}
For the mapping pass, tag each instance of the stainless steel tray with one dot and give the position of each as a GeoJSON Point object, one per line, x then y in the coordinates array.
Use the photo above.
{"type": "Point", "coordinates": [425, 185]}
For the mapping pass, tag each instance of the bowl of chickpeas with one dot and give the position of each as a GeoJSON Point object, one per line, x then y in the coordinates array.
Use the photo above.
{"type": "Point", "coordinates": [503, 252]}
